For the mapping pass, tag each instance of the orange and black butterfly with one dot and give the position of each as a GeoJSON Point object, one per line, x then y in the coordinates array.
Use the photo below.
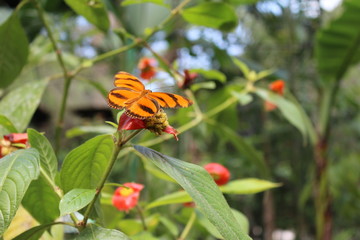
{"type": "Point", "coordinates": [130, 94]}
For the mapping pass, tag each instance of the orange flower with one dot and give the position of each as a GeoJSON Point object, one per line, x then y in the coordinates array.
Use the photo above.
{"type": "Point", "coordinates": [220, 174]}
{"type": "Point", "coordinates": [126, 198]}
{"type": "Point", "coordinates": [277, 87]}
{"type": "Point", "coordinates": [13, 142]}
{"type": "Point", "coordinates": [147, 67]}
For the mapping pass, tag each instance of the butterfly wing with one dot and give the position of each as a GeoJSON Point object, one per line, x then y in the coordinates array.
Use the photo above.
{"type": "Point", "coordinates": [126, 80]}
{"type": "Point", "coordinates": [169, 100]}
{"type": "Point", "coordinates": [121, 97]}
{"type": "Point", "coordinates": [144, 107]}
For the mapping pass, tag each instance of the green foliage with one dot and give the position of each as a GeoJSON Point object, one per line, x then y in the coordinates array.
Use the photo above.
{"type": "Point", "coordinates": [201, 187]}
{"type": "Point", "coordinates": [338, 44]}
{"type": "Point", "coordinates": [84, 166]}
{"type": "Point", "coordinates": [48, 161]}
{"type": "Point", "coordinates": [7, 124]}
{"type": "Point", "coordinates": [248, 186]}
{"type": "Point", "coordinates": [41, 201]}
{"type": "Point", "coordinates": [16, 173]}
{"type": "Point", "coordinates": [20, 104]}
{"type": "Point", "coordinates": [93, 232]}
{"type": "Point", "coordinates": [14, 49]}
{"type": "Point", "coordinates": [172, 198]}
{"type": "Point", "coordinates": [75, 200]}
{"type": "Point", "coordinates": [34, 233]}
{"type": "Point", "coordinates": [131, 2]}
{"type": "Point", "coordinates": [212, 14]}
{"type": "Point", "coordinates": [94, 11]}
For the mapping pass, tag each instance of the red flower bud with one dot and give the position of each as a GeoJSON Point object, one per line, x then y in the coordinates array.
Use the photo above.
{"type": "Point", "coordinates": [220, 174]}
{"type": "Point", "coordinates": [147, 67]}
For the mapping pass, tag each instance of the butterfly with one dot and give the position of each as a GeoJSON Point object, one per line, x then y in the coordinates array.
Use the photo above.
{"type": "Point", "coordinates": [130, 94]}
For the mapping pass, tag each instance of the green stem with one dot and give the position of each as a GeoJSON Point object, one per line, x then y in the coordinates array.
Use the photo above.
{"type": "Point", "coordinates": [66, 75]}
{"type": "Point", "coordinates": [118, 146]}
{"type": "Point", "coordinates": [141, 214]}
{"type": "Point", "coordinates": [188, 226]}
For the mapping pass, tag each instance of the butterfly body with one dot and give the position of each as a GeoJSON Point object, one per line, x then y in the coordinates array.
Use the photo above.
{"type": "Point", "coordinates": [130, 94]}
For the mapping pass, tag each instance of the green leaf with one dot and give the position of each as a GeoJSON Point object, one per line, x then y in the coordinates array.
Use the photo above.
{"type": "Point", "coordinates": [41, 201]}
{"type": "Point", "coordinates": [248, 186]}
{"type": "Point", "coordinates": [242, 66]}
{"type": "Point", "coordinates": [94, 11]}
{"type": "Point", "coordinates": [289, 110]}
{"type": "Point", "coordinates": [149, 166]}
{"type": "Point", "coordinates": [14, 50]}
{"type": "Point", "coordinates": [48, 161]}
{"type": "Point", "coordinates": [338, 44]}
{"type": "Point", "coordinates": [131, 2]}
{"type": "Point", "coordinates": [243, 1]}
{"type": "Point", "coordinates": [172, 198]}
{"type": "Point", "coordinates": [171, 226]}
{"type": "Point", "coordinates": [211, 74]}
{"type": "Point", "coordinates": [20, 104]}
{"type": "Point", "coordinates": [203, 190]}
{"type": "Point", "coordinates": [6, 123]}
{"type": "Point", "coordinates": [212, 14]}
{"type": "Point", "coordinates": [75, 200]}
{"type": "Point", "coordinates": [35, 233]}
{"type": "Point", "coordinates": [203, 85]}
{"type": "Point", "coordinates": [84, 166]}
{"type": "Point", "coordinates": [81, 130]}
{"type": "Point", "coordinates": [17, 170]}
{"type": "Point", "coordinates": [93, 232]}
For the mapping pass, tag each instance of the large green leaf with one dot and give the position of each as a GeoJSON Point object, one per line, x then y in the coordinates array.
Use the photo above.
{"type": "Point", "coordinates": [14, 49]}
{"type": "Point", "coordinates": [84, 166]}
{"type": "Point", "coordinates": [6, 123]}
{"type": "Point", "coordinates": [212, 14]}
{"type": "Point", "coordinates": [203, 190]}
{"type": "Point", "coordinates": [94, 11]}
{"type": "Point", "coordinates": [36, 232]}
{"type": "Point", "coordinates": [248, 186]}
{"type": "Point", "coordinates": [338, 44]}
{"type": "Point", "coordinates": [17, 170]}
{"type": "Point", "coordinates": [20, 104]}
{"type": "Point", "coordinates": [288, 109]}
{"type": "Point", "coordinates": [48, 159]}
{"type": "Point", "coordinates": [93, 232]}
{"type": "Point", "coordinates": [41, 200]}
{"type": "Point", "coordinates": [75, 200]}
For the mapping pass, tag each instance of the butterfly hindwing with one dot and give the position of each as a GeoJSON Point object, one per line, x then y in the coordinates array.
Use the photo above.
{"type": "Point", "coordinates": [169, 100]}
{"type": "Point", "coordinates": [126, 80]}
{"type": "Point", "coordinates": [119, 97]}
{"type": "Point", "coordinates": [143, 108]}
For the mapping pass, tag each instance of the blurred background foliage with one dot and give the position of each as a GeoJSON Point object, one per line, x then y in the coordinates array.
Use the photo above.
{"type": "Point", "coordinates": [279, 35]}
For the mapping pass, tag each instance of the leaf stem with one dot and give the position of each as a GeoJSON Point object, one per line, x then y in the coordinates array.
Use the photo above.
{"type": "Point", "coordinates": [141, 214]}
{"type": "Point", "coordinates": [188, 226]}
{"type": "Point", "coordinates": [118, 146]}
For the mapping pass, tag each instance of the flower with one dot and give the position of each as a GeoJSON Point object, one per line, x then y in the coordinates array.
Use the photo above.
{"type": "Point", "coordinates": [147, 67]}
{"type": "Point", "coordinates": [12, 142]}
{"type": "Point", "coordinates": [278, 88]}
{"type": "Point", "coordinates": [126, 198]}
{"type": "Point", "coordinates": [220, 174]}
{"type": "Point", "coordinates": [156, 124]}
{"type": "Point", "coordinates": [189, 78]}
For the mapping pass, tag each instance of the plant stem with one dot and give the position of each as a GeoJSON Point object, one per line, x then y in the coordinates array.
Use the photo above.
{"type": "Point", "coordinates": [141, 214]}
{"type": "Point", "coordinates": [118, 146]}
{"type": "Point", "coordinates": [66, 75]}
{"type": "Point", "coordinates": [188, 226]}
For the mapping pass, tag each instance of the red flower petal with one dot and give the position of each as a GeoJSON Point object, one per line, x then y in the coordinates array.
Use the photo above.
{"type": "Point", "coordinates": [17, 138]}
{"type": "Point", "coordinates": [220, 173]}
{"type": "Point", "coordinates": [171, 130]}
{"type": "Point", "coordinates": [128, 123]}
{"type": "Point", "coordinates": [277, 87]}
{"type": "Point", "coordinates": [125, 202]}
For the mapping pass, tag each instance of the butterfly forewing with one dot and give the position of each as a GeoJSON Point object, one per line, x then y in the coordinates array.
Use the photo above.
{"type": "Point", "coordinates": [169, 100]}
{"type": "Point", "coordinates": [143, 108]}
{"type": "Point", "coordinates": [126, 80]}
{"type": "Point", "coordinates": [119, 97]}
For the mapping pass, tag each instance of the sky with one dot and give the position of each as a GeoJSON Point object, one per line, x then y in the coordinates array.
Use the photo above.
{"type": "Point", "coordinates": [329, 5]}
